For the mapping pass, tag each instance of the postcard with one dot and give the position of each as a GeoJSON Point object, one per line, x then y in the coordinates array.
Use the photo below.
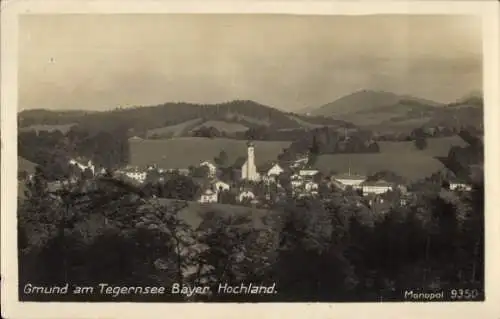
{"type": "Point", "coordinates": [321, 159]}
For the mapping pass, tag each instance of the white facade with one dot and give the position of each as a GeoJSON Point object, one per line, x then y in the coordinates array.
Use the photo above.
{"type": "Point", "coordinates": [249, 170]}
{"type": "Point", "coordinates": [460, 186]}
{"type": "Point", "coordinates": [208, 197]}
{"type": "Point", "coordinates": [212, 169]}
{"type": "Point", "coordinates": [311, 186]}
{"type": "Point", "coordinates": [350, 181]}
{"type": "Point", "coordinates": [246, 195]}
{"type": "Point", "coordinates": [137, 175]}
{"type": "Point", "coordinates": [275, 170]}
{"type": "Point", "coordinates": [296, 181]}
{"type": "Point", "coordinates": [83, 167]}
{"type": "Point", "coordinates": [219, 185]}
{"type": "Point", "coordinates": [376, 188]}
{"type": "Point", "coordinates": [308, 172]}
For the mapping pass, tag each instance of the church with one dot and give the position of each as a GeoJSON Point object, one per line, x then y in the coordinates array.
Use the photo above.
{"type": "Point", "coordinates": [249, 169]}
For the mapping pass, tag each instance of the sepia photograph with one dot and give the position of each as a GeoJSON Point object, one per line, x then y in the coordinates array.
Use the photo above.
{"type": "Point", "coordinates": [184, 157]}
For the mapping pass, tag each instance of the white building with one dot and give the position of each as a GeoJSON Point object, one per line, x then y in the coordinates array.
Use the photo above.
{"type": "Point", "coordinates": [460, 186]}
{"type": "Point", "coordinates": [246, 195]}
{"type": "Point", "coordinates": [275, 170]}
{"type": "Point", "coordinates": [221, 186]}
{"type": "Point", "coordinates": [376, 187]}
{"type": "Point", "coordinates": [83, 167]}
{"type": "Point", "coordinates": [208, 196]}
{"type": "Point", "coordinates": [249, 170]}
{"type": "Point", "coordinates": [350, 180]}
{"type": "Point", "coordinates": [308, 172]}
{"type": "Point", "coordinates": [137, 175]}
{"type": "Point", "coordinates": [311, 186]}
{"type": "Point", "coordinates": [296, 180]}
{"type": "Point", "coordinates": [212, 169]}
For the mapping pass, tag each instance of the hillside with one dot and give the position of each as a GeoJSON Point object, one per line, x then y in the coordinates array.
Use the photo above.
{"type": "Point", "coordinates": [385, 111]}
{"type": "Point", "coordinates": [144, 120]}
{"type": "Point", "coordinates": [183, 152]}
{"type": "Point", "coordinates": [195, 212]}
{"type": "Point", "coordinates": [400, 157]}
{"type": "Point", "coordinates": [25, 165]}
{"type": "Point", "coordinates": [366, 101]}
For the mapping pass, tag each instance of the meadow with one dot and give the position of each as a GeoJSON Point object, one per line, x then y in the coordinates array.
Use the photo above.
{"type": "Point", "coordinates": [183, 152]}
{"type": "Point", "coordinates": [174, 130]}
{"type": "Point", "coordinates": [400, 157]}
{"type": "Point", "coordinates": [223, 126]}
{"type": "Point", "coordinates": [63, 128]}
{"type": "Point", "coordinates": [194, 213]}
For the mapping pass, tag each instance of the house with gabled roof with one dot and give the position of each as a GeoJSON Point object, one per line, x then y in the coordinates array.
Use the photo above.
{"type": "Point", "coordinates": [246, 195]}
{"type": "Point", "coordinates": [271, 169]}
{"type": "Point", "coordinates": [208, 196]}
{"type": "Point", "coordinates": [459, 185]}
{"type": "Point", "coordinates": [308, 172]}
{"type": "Point", "coordinates": [353, 180]}
{"type": "Point", "coordinates": [212, 169]}
{"type": "Point", "coordinates": [376, 187]}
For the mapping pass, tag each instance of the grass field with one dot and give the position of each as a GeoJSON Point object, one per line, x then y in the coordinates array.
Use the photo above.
{"type": "Point", "coordinates": [175, 130]}
{"type": "Point", "coordinates": [400, 157]}
{"type": "Point", "coordinates": [304, 123]}
{"type": "Point", "coordinates": [186, 151]}
{"type": "Point", "coordinates": [25, 165]}
{"type": "Point", "coordinates": [49, 128]}
{"type": "Point", "coordinates": [194, 213]}
{"type": "Point", "coordinates": [223, 126]}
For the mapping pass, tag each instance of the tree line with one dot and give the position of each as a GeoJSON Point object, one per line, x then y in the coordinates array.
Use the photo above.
{"type": "Point", "coordinates": [119, 234]}
{"type": "Point", "coordinates": [106, 148]}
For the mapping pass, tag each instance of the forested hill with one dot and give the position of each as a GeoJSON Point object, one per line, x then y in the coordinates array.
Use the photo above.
{"type": "Point", "coordinates": [389, 112]}
{"type": "Point", "coordinates": [368, 101]}
{"type": "Point", "coordinates": [143, 118]}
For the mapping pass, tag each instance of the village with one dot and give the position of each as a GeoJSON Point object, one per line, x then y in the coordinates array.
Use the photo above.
{"type": "Point", "coordinates": [262, 186]}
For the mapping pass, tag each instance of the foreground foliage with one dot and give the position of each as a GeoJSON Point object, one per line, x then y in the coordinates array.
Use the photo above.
{"type": "Point", "coordinates": [313, 250]}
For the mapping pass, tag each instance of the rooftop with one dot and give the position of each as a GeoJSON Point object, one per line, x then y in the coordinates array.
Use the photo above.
{"type": "Point", "coordinates": [377, 183]}
{"type": "Point", "coordinates": [349, 176]}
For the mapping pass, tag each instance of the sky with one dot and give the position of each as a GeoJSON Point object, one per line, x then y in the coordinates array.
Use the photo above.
{"type": "Point", "coordinates": [290, 62]}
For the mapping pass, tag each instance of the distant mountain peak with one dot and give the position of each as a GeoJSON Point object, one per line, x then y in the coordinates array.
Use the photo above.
{"type": "Point", "coordinates": [365, 100]}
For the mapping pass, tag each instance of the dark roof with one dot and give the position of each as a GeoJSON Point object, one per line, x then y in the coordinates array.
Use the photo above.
{"type": "Point", "coordinates": [266, 166]}
{"type": "Point", "coordinates": [239, 162]}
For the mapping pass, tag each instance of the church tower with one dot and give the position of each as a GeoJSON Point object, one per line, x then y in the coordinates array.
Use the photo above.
{"type": "Point", "coordinates": [249, 170]}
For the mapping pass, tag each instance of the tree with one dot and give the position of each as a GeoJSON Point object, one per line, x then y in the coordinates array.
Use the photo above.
{"type": "Point", "coordinates": [420, 142]}
{"type": "Point", "coordinates": [232, 252]}
{"type": "Point", "coordinates": [141, 242]}
{"type": "Point", "coordinates": [179, 187]}
{"type": "Point", "coordinates": [222, 159]}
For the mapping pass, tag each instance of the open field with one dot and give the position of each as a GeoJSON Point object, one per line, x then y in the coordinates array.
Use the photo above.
{"type": "Point", "coordinates": [223, 126]}
{"type": "Point", "coordinates": [186, 151]}
{"type": "Point", "coordinates": [194, 212]}
{"type": "Point", "coordinates": [304, 123]}
{"type": "Point", "coordinates": [400, 157]}
{"type": "Point", "coordinates": [64, 128]}
{"type": "Point", "coordinates": [435, 146]}
{"type": "Point", "coordinates": [175, 130]}
{"type": "Point", "coordinates": [25, 165]}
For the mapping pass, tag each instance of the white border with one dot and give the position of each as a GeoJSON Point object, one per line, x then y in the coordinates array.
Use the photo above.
{"type": "Point", "coordinates": [11, 308]}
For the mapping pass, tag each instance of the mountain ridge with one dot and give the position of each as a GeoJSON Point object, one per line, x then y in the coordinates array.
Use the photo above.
{"type": "Point", "coordinates": [364, 100]}
{"type": "Point", "coordinates": [143, 118]}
